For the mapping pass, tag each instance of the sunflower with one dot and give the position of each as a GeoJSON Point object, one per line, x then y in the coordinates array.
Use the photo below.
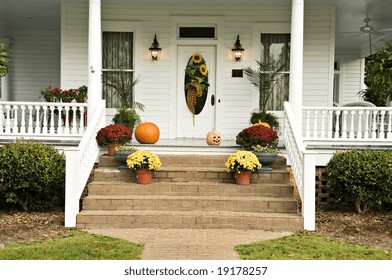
{"type": "Point", "coordinates": [203, 70]}
{"type": "Point", "coordinates": [197, 58]}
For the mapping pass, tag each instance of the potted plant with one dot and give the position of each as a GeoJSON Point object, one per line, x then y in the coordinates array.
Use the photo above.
{"type": "Point", "coordinates": [123, 85]}
{"type": "Point", "coordinates": [113, 136]}
{"type": "Point", "coordinates": [144, 163]}
{"type": "Point", "coordinates": [121, 153]}
{"type": "Point", "coordinates": [263, 141]}
{"type": "Point", "coordinates": [79, 94]}
{"type": "Point", "coordinates": [242, 164]}
{"type": "Point", "coordinates": [51, 94]}
{"type": "Point", "coordinates": [264, 78]}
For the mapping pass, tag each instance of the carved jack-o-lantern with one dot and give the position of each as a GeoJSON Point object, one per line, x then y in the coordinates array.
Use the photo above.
{"type": "Point", "coordinates": [213, 138]}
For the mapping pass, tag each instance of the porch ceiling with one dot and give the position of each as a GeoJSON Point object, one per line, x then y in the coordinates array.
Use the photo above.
{"type": "Point", "coordinates": [44, 14]}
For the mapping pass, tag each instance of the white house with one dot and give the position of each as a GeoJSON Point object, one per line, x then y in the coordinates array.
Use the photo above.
{"type": "Point", "coordinates": [69, 43]}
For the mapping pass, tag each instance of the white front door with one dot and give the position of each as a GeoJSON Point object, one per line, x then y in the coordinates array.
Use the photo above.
{"type": "Point", "coordinates": [199, 125]}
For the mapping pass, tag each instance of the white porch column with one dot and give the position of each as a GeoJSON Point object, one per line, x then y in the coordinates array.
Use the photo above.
{"type": "Point", "coordinates": [94, 56]}
{"type": "Point", "coordinates": [296, 59]}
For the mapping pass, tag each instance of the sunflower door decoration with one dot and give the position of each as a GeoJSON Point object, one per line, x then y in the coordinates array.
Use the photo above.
{"type": "Point", "coordinates": [196, 84]}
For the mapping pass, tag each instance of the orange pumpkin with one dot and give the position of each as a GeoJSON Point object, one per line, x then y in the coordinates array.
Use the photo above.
{"type": "Point", "coordinates": [147, 133]}
{"type": "Point", "coordinates": [213, 138]}
{"type": "Point", "coordinates": [262, 123]}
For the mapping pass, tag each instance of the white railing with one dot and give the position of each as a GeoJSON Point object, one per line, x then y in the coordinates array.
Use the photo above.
{"type": "Point", "coordinates": [303, 164]}
{"type": "Point", "coordinates": [42, 120]}
{"type": "Point", "coordinates": [347, 125]}
{"type": "Point", "coordinates": [79, 163]}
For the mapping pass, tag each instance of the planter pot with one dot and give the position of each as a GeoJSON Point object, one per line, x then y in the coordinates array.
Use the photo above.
{"type": "Point", "coordinates": [266, 159]}
{"type": "Point", "coordinates": [243, 177]}
{"type": "Point", "coordinates": [144, 176]}
{"type": "Point", "coordinates": [121, 157]}
{"type": "Point", "coordinates": [112, 149]}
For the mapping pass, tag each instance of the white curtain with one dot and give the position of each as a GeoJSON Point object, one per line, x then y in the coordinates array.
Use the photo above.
{"type": "Point", "coordinates": [117, 52]}
{"type": "Point", "coordinates": [275, 51]}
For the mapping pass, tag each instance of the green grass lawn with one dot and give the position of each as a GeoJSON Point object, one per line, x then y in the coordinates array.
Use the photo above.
{"type": "Point", "coordinates": [76, 245]}
{"type": "Point", "coordinates": [308, 246]}
{"type": "Point", "coordinates": [79, 245]}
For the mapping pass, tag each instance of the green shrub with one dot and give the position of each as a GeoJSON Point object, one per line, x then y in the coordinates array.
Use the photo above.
{"type": "Point", "coordinates": [32, 175]}
{"type": "Point", "coordinates": [363, 175]}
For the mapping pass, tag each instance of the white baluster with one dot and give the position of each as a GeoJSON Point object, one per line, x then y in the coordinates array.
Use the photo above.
{"type": "Point", "coordinates": [315, 128]}
{"type": "Point", "coordinates": [351, 132]}
{"type": "Point", "coordinates": [389, 134]}
{"type": "Point", "coordinates": [322, 135]}
{"type": "Point", "coordinates": [7, 119]}
{"type": "Point", "coordinates": [66, 127]}
{"type": "Point", "coordinates": [344, 124]}
{"type": "Point", "coordinates": [381, 134]}
{"type": "Point", "coordinates": [374, 126]}
{"type": "Point", "coordinates": [45, 120]}
{"type": "Point", "coordinates": [51, 128]}
{"type": "Point", "coordinates": [359, 128]}
{"type": "Point", "coordinates": [59, 120]}
{"type": "Point", "coordinates": [37, 119]}
{"type": "Point", "coordinates": [330, 124]}
{"type": "Point", "coordinates": [367, 122]}
{"type": "Point", "coordinates": [74, 127]}
{"type": "Point", "coordinates": [30, 125]}
{"type": "Point", "coordinates": [337, 123]}
{"type": "Point", "coordinates": [23, 120]}
{"type": "Point", "coordinates": [15, 128]}
{"type": "Point", "coordinates": [307, 133]}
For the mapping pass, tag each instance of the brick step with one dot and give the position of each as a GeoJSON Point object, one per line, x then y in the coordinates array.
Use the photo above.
{"type": "Point", "coordinates": [190, 174]}
{"type": "Point", "coordinates": [189, 203]}
{"type": "Point", "coordinates": [188, 161]}
{"type": "Point", "coordinates": [197, 219]}
{"type": "Point", "coordinates": [191, 189]}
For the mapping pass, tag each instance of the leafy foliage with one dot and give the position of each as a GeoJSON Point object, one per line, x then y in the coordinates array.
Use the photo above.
{"type": "Point", "coordinates": [122, 85]}
{"type": "Point", "coordinates": [257, 135]}
{"type": "Point", "coordinates": [113, 134]}
{"type": "Point", "coordinates": [270, 118]}
{"type": "Point", "coordinates": [378, 76]}
{"type": "Point", "coordinates": [32, 175]}
{"type": "Point", "coordinates": [365, 175]}
{"type": "Point", "coordinates": [127, 117]}
{"type": "Point", "coordinates": [4, 55]}
{"type": "Point", "coordinates": [242, 161]}
{"type": "Point", "coordinates": [265, 80]}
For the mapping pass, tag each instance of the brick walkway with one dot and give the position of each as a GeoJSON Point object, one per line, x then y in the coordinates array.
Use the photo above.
{"type": "Point", "coordinates": [190, 244]}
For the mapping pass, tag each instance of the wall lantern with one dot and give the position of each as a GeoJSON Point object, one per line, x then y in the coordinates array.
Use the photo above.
{"type": "Point", "coordinates": [237, 50]}
{"type": "Point", "coordinates": [155, 50]}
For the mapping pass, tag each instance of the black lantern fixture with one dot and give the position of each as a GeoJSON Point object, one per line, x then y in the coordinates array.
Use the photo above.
{"type": "Point", "coordinates": [155, 50]}
{"type": "Point", "coordinates": [237, 50]}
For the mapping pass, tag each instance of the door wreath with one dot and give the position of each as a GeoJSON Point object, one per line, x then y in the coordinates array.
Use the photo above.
{"type": "Point", "coordinates": [196, 84]}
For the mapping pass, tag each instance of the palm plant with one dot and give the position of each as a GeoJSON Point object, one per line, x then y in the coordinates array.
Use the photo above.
{"type": "Point", "coordinates": [3, 60]}
{"type": "Point", "coordinates": [265, 80]}
{"type": "Point", "coordinates": [122, 85]}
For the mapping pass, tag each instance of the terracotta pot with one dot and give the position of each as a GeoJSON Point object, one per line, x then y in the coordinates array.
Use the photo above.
{"type": "Point", "coordinates": [112, 149]}
{"type": "Point", "coordinates": [144, 176]}
{"type": "Point", "coordinates": [243, 177]}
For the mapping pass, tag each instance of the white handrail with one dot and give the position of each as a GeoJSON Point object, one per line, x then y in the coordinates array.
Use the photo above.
{"type": "Point", "coordinates": [303, 165]}
{"type": "Point", "coordinates": [79, 163]}
{"type": "Point", "coordinates": [42, 120]}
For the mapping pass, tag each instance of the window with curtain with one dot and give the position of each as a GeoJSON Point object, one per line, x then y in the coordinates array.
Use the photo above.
{"type": "Point", "coordinates": [275, 52]}
{"type": "Point", "coordinates": [117, 53]}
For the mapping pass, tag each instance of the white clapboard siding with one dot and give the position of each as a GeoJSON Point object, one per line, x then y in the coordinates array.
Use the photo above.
{"type": "Point", "coordinates": [35, 63]}
{"type": "Point", "coordinates": [235, 94]}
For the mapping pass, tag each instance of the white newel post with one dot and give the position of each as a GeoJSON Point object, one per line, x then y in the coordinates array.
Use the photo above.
{"type": "Point", "coordinates": [296, 59]}
{"type": "Point", "coordinates": [72, 169]}
{"type": "Point", "coordinates": [94, 57]}
{"type": "Point", "coordinates": [309, 191]}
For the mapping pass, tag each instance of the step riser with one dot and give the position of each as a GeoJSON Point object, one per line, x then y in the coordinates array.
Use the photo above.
{"type": "Point", "coordinates": [189, 222]}
{"type": "Point", "coordinates": [187, 160]}
{"type": "Point", "coordinates": [289, 206]}
{"type": "Point", "coordinates": [192, 190]}
{"type": "Point", "coordinates": [184, 176]}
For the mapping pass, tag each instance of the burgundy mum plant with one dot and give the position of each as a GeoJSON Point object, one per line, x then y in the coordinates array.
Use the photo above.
{"type": "Point", "coordinates": [113, 134]}
{"type": "Point", "coordinates": [257, 135]}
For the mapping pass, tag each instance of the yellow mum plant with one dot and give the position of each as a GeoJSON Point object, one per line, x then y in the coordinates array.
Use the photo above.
{"type": "Point", "coordinates": [242, 161]}
{"type": "Point", "coordinates": [142, 159]}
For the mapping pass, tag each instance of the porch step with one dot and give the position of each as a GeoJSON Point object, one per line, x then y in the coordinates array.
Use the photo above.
{"type": "Point", "coordinates": [191, 189]}
{"type": "Point", "coordinates": [189, 203]}
{"type": "Point", "coordinates": [190, 174]}
{"type": "Point", "coordinates": [195, 219]}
